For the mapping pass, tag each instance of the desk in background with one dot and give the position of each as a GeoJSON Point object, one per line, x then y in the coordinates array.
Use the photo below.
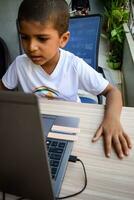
{"type": "Point", "coordinates": [108, 178]}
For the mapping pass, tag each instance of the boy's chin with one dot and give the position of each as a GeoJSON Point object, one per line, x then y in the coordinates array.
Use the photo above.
{"type": "Point", "coordinates": [36, 59]}
{"type": "Point", "coordinates": [37, 62]}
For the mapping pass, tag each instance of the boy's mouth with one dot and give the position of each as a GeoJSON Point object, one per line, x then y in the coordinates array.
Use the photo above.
{"type": "Point", "coordinates": [36, 58]}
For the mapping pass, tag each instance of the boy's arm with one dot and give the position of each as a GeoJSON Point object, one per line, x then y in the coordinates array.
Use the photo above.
{"type": "Point", "coordinates": [2, 87]}
{"type": "Point", "coordinates": [110, 127]}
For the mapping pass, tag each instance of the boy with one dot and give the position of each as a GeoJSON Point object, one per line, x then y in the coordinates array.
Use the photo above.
{"type": "Point", "coordinates": [49, 71]}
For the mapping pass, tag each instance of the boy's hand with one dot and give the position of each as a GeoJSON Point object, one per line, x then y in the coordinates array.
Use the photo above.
{"type": "Point", "coordinates": [113, 134]}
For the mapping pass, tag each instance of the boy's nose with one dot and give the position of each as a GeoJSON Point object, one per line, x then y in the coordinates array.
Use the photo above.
{"type": "Point", "coordinates": [32, 46]}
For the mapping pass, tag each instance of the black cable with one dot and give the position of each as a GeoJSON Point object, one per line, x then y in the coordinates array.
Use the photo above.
{"type": "Point", "coordinates": [71, 159]}
{"type": "Point", "coordinates": [74, 159]}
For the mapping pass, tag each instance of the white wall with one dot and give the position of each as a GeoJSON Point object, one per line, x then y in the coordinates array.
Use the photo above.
{"type": "Point", "coordinates": [128, 68]}
{"type": "Point", "coordinates": [8, 15]}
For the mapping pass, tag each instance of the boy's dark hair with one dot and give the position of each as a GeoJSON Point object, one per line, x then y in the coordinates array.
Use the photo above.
{"type": "Point", "coordinates": [46, 11]}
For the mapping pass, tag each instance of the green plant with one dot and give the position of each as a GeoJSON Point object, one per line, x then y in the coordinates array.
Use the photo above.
{"type": "Point", "coordinates": [116, 13]}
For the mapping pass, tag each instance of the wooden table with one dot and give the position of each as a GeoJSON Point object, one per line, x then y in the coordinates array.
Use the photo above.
{"type": "Point", "coordinates": [108, 178]}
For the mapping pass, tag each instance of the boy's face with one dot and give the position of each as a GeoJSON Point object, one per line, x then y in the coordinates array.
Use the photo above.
{"type": "Point", "coordinates": [41, 43]}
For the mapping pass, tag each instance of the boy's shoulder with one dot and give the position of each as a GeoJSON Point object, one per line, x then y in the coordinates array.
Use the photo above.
{"type": "Point", "coordinates": [73, 59]}
{"type": "Point", "coordinates": [69, 55]}
{"type": "Point", "coordinates": [22, 58]}
{"type": "Point", "coordinates": [22, 61]}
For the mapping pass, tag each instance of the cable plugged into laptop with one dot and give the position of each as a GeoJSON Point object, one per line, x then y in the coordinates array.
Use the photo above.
{"type": "Point", "coordinates": [74, 159]}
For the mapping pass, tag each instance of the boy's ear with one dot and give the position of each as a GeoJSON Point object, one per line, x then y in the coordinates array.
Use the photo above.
{"type": "Point", "coordinates": [64, 39]}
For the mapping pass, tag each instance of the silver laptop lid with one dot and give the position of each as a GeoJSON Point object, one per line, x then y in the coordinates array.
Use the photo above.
{"type": "Point", "coordinates": [24, 168]}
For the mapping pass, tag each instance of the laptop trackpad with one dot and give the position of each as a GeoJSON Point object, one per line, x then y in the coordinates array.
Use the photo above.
{"type": "Point", "coordinates": [47, 122]}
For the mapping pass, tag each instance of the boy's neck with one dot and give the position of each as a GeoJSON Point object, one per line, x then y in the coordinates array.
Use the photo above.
{"type": "Point", "coordinates": [51, 65]}
{"type": "Point", "coordinates": [49, 69]}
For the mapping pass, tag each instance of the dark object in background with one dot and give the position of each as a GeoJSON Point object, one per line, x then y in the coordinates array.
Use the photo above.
{"type": "Point", "coordinates": [4, 57]}
{"type": "Point", "coordinates": [81, 6]}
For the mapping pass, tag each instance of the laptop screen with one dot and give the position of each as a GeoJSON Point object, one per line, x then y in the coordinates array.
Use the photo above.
{"type": "Point", "coordinates": [25, 148]}
{"type": "Point", "coordinates": [24, 169]}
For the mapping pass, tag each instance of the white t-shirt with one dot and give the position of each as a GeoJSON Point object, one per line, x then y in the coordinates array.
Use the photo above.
{"type": "Point", "coordinates": [70, 74]}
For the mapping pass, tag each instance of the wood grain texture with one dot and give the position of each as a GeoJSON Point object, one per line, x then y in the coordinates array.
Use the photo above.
{"type": "Point", "coordinates": [108, 178]}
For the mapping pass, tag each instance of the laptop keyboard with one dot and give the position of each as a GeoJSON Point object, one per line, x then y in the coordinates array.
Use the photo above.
{"type": "Point", "coordinates": [56, 149]}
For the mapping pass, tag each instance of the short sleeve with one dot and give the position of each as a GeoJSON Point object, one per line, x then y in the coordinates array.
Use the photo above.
{"type": "Point", "coordinates": [10, 78]}
{"type": "Point", "coordinates": [89, 79]}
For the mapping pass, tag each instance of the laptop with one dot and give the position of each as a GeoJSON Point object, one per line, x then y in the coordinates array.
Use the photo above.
{"type": "Point", "coordinates": [27, 168]}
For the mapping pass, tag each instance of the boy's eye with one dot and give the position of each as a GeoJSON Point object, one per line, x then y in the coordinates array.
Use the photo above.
{"type": "Point", "coordinates": [42, 39]}
{"type": "Point", "coordinates": [24, 37]}
{"type": "Point", "coordinates": [39, 38]}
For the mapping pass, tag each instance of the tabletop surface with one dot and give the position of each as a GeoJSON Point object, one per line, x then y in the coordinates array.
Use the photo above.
{"type": "Point", "coordinates": [108, 178]}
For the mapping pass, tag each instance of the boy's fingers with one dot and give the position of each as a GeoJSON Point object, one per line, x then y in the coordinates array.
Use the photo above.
{"type": "Point", "coordinates": [124, 145]}
{"type": "Point", "coordinates": [107, 144]}
{"type": "Point", "coordinates": [129, 143]}
{"type": "Point", "coordinates": [97, 134]}
{"type": "Point", "coordinates": [117, 146]}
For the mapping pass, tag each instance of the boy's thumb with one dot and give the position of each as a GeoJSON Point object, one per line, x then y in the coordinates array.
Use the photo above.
{"type": "Point", "coordinates": [97, 134]}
